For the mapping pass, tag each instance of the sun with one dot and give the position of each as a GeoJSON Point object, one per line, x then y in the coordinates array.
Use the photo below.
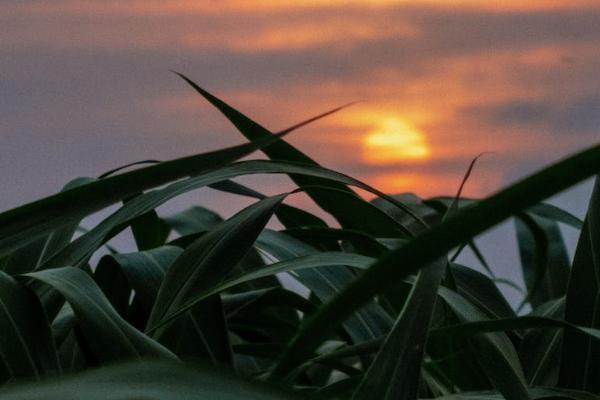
{"type": "Point", "coordinates": [394, 140]}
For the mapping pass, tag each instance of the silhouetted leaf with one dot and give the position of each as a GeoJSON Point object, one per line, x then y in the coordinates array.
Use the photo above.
{"type": "Point", "coordinates": [109, 335]}
{"type": "Point", "coordinates": [26, 345]}
{"type": "Point", "coordinates": [580, 364]}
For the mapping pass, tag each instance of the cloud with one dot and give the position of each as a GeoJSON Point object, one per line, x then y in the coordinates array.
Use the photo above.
{"type": "Point", "coordinates": [430, 29]}
{"type": "Point", "coordinates": [571, 116]}
{"type": "Point", "coordinates": [190, 7]}
{"type": "Point", "coordinates": [88, 81]}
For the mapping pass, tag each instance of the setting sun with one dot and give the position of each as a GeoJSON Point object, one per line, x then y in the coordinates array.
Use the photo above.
{"type": "Point", "coordinates": [394, 140]}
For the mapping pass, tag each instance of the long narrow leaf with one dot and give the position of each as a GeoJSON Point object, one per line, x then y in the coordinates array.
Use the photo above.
{"type": "Point", "coordinates": [396, 369]}
{"type": "Point", "coordinates": [434, 243]}
{"type": "Point", "coordinates": [85, 245]}
{"type": "Point", "coordinates": [278, 151]}
{"type": "Point", "coordinates": [26, 345]}
{"type": "Point", "coordinates": [26, 223]}
{"type": "Point", "coordinates": [580, 364]}
{"type": "Point", "coordinates": [109, 335]}
{"type": "Point", "coordinates": [149, 381]}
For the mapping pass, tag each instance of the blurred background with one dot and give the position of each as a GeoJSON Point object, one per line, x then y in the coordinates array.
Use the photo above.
{"type": "Point", "coordinates": [84, 87]}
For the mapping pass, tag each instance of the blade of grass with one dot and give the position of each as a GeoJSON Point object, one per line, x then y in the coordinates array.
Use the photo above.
{"type": "Point", "coordinates": [24, 224]}
{"type": "Point", "coordinates": [580, 364]}
{"type": "Point", "coordinates": [366, 323]}
{"type": "Point", "coordinates": [110, 336]}
{"type": "Point", "coordinates": [143, 270]}
{"type": "Point", "coordinates": [540, 351]}
{"type": "Point", "coordinates": [81, 248]}
{"type": "Point", "coordinates": [28, 258]}
{"type": "Point", "coordinates": [289, 216]}
{"type": "Point", "coordinates": [544, 258]}
{"type": "Point", "coordinates": [149, 380]}
{"type": "Point", "coordinates": [434, 243]}
{"type": "Point", "coordinates": [535, 394]}
{"type": "Point", "coordinates": [26, 345]}
{"type": "Point", "coordinates": [495, 352]}
{"type": "Point", "coordinates": [296, 264]}
{"type": "Point", "coordinates": [396, 369]}
{"type": "Point", "coordinates": [205, 263]}
{"type": "Point", "coordinates": [283, 151]}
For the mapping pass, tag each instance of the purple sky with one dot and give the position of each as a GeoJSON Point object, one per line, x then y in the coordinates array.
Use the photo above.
{"type": "Point", "coordinates": [84, 86]}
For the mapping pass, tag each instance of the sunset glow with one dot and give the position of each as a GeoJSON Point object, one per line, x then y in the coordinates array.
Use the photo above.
{"type": "Point", "coordinates": [438, 82]}
{"type": "Point", "coordinates": [394, 140]}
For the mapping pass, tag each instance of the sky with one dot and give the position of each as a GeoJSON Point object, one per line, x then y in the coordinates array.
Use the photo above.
{"type": "Point", "coordinates": [85, 86]}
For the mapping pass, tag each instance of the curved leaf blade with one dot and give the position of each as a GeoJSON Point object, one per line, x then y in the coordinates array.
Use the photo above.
{"type": "Point", "coordinates": [396, 369]}
{"type": "Point", "coordinates": [26, 344]}
{"type": "Point", "coordinates": [109, 335]}
{"type": "Point", "coordinates": [24, 224]}
{"type": "Point", "coordinates": [455, 230]}
{"type": "Point", "coordinates": [580, 364]}
{"type": "Point", "coordinates": [148, 380]}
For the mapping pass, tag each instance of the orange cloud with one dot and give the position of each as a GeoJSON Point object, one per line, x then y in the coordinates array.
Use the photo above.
{"type": "Point", "coordinates": [126, 27]}
{"type": "Point", "coordinates": [192, 7]}
{"type": "Point", "coordinates": [435, 183]}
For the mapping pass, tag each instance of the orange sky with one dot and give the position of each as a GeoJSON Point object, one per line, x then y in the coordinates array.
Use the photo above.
{"type": "Point", "coordinates": [438, 81]}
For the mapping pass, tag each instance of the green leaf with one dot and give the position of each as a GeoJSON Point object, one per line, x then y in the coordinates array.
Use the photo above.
{"type": "Point", "coordinates": [544, 258]}
{"type": "Point", "coordinates": [289, 216]}
{"type": "Point", "coordinates": [265, 298]}
{"type": "Point", "coordinates": [148, 381]}
{"type": "Point", "coordinates": [28, 258]}
{"type": "Point", "coordinates": [205, 263]}
{"type": "Point", "coordinates": [580, 365]}
{"type": "Point", "coordinates": [24, 259]}
{"type": "Point", "coordinates": [317, 260]}
{"type": "Point", "coordinates": [149, 231]}
{"type": "Point", "coordinates": [114, 285]}
{"type": "Point", "coordinates": [144, 270]}
{"type": "Point", "coordinates": [481, 291]}
{"type": "Point", "coordinates": [364, 216]}
{"type": "Point", "coordinates": [557, 214]}
{"type": "Point", "coordinates": [26, 345]}
{"type": "Point", "coordinates": [540, 350]}
{"type": "Point", "coordinates": [544, 210]}
{"type": "Point", "coordinates": [196, 220]}
{"type": "Point", "coordinates": [428, 215]}
{"type": "Point", "coordinates": [497, 356]}
{"type": "Point", "coordinates": [210, 258]}
{"type": "Point", "coordinates": [328, 238]}
{"type": "Point", "coordinates": [193, 220]}
{"type": "Point", "coordinates": [535, 393]}
{"type": "Point", "coordinates": [296, 265]}
{"type": "Point", "coordinates": [281, 151]}
{"type": "Point", "coordinates": [508, 324]}
{"type": "Point", "coordinates": [457, 229]}
{"type": "Point", "coordinates": [269, 318]}
{"type": "Point", "coordinates": [24, 224]}
{"type": "Point", "coordinates": [108, 334]}
{"type": "Point", "coordinates": [128, 165]}
{"type": "Point", "coordinates": [201, 334]}
{"type": "Point", "coordinates": [396, 369]}
{"type": "Point", "coordinates": [367, 323]}
{"type": "Point", "coordinates": [82, 248]}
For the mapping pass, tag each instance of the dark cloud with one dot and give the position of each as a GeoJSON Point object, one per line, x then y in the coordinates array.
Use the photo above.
{"type": "Point", "coordinates": [441, 33]}
{"type": "Point", "coordinates": [570, 116]}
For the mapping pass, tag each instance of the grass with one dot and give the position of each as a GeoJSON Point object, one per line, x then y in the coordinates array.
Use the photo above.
{"type": "Point", "coordinates": [198, 310]}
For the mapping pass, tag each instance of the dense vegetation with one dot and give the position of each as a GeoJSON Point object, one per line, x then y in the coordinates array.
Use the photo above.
{"type": "Point", "coordinates": [380, 309]}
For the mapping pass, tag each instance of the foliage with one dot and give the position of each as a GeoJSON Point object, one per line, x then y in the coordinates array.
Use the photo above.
{"type": "Point", "coordinates": [200, 310]}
